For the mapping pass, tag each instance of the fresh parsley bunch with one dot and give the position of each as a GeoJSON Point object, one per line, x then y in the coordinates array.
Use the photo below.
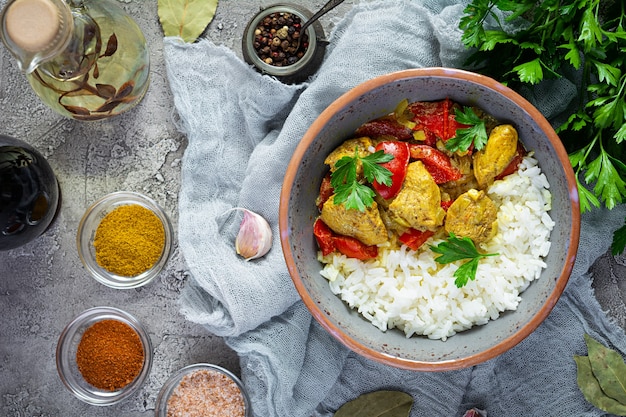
{"type": "Point", "coordinates": [557, 38]}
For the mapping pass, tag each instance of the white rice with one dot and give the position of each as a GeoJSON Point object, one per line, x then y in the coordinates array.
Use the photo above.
{"type": "Point", "coordinates": [408, 290]}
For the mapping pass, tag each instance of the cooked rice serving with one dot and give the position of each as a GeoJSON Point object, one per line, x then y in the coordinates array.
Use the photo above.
{"type": "Point", "coordinates": [408, 290]}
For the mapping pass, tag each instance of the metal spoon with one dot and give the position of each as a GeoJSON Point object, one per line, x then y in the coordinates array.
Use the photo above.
{"type": "Point", "coordinates": [325, 9]}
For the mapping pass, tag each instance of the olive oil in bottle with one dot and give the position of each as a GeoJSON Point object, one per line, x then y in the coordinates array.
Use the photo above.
{"type": "Point", "coordinates": [85, 59]}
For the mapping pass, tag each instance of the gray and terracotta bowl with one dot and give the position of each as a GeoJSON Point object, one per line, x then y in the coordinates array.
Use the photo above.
{"type": "Point", "coordinates": [378, 97]}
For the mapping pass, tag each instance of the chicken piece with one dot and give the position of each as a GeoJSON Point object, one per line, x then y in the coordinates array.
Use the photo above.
{"type": "Point", "coordinates": [363, 144]}
{"type": "Point", "coordinates": [418, 204]}
{"type": "Point", "coordinates": [366, 226]}
{"type": "Point", "coordinates": [472, 215]}
{"type": "Point", "coordinates": [496, 155]}
{"type": "Point", "coordinates": [390, 224]}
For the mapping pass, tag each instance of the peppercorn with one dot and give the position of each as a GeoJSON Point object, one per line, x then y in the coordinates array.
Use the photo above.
{"type": "Point", "coordinates": [276, 39]}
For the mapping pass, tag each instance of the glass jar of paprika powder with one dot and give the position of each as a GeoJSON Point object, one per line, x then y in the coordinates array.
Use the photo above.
{"type": "Point", "coordinates": [93, 341]}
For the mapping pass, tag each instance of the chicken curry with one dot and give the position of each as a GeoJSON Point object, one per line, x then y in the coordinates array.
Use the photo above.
{"type": "Point", "coordinates": [419, 172]}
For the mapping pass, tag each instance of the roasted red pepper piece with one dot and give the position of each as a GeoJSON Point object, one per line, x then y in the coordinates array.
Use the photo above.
{"type": "Point", "coordinates": [434, 116]}
{"type": "Point", "coordinates": [385, 126]}
{"type": "Point", "coordinates": [324, 237]}
{"type": "Point", "coordinates": [326, 190]}
{"type": "Point", "coordinates": [437, 117]}
{"type": "Point", "coordinates": [436, 163]}
{"type": "Point", "coordinates": [446, 204]}
{"type": "Point", "coordinates": [414, 238]}
{"type": "Point", "coordinates": [430, 138]}
{"type": "Point", "coordinates": [354, 248]}
{"type": "Point", "coordinates": [328, 242]}
{"type": "Point", "coordinates": [428, 116]}
{"type": "Point", "coordinates": [398, 167]}
{"type": "Point", "coordinates": [514, 164]}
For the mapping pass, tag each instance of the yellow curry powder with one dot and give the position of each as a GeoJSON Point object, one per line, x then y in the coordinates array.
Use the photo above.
{"type": "Point", "coordinates": [129, 240]}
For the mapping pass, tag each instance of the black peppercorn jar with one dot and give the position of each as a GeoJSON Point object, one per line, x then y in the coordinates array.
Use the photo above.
{"type": "Point", "coordinates": [270, 39]}
{"type": "Point", "coordinates": [29, 193]}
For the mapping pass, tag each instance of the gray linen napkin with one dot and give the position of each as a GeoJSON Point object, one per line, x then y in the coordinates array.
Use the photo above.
{"type": "Point", "coordinates": [242, 128]}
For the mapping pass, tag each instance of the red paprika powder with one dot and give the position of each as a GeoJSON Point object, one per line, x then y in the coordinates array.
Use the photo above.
{"type": "Point", "coordinates": [110, 355]}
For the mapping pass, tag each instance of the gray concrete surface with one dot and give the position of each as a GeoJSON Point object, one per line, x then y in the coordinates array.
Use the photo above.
{"type": "Point", "coordinates": [43, 285]}
{"type": "Point", "coordinates": [609, 283]}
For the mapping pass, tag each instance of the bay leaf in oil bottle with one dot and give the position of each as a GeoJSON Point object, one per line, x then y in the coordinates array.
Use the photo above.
{"type": "Point", "coordinates": [378, 404]}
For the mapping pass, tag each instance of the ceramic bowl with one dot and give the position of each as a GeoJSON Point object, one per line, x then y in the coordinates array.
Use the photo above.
{"type": "Point", "coordinates": [303, 68]}
{"type": "Point", "coordinates": [378, 97]}
{"type": "Point", "coordinates": [87, 230]}
{"type": "Point", "coordinates": [68, 346]}
{"type": "Point", "coordinates": [173, 382]}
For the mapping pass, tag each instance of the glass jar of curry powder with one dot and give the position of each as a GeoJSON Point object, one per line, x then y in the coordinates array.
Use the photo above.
{"type": "Point", "coordinates": [136, 242]}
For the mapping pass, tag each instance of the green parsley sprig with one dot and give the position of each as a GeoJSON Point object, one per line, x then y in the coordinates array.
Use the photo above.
{"type": "Point", "coordinates": [348, 188]}
{"type": "Point", "coordinates": [554, 39]}
{"type": "Point", "coordinates": [476, 133]}
{"type": "Point", "coordinates": [457, 249]}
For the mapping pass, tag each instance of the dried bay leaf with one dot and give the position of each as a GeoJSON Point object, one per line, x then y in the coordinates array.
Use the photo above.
{"type": "Point", "coordinates": [590, 387]}
{"type": "Point", "coordinates": [105, 90]}
{"type": "Point", "coordinates": [77, 110]}
{"type": "Point", "coordinates": [609, 369]}
{"type": "Point", "coordinates": [125, 89]}
{"type": "Point", "coordinates": [107, 107]}
{"type": "Point", "coordinates": [186, 18]}
{"type": "Point", "coordinates": [378, 404]}
{"type": "Point", "coordinates": [111, 45]}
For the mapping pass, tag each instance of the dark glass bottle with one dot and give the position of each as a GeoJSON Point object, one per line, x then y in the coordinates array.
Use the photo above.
{"type": "Point", "coordinates": [29, 193]}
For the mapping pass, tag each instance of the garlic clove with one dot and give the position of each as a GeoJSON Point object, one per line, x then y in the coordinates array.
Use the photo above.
{"type": "Point", "coordinates": [254, 239]}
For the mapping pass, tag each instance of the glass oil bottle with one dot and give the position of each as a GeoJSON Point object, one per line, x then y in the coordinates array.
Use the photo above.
{"type": "Point", "coordinates": [85, 59]}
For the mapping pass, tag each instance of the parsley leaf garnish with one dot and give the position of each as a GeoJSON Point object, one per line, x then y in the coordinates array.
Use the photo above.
{"type": "Point", "coordinates": [347, 187]}
{"type": "Point", "coordinates": [476, 133]}
{"type": "Point", "coordinates": [457, 249]}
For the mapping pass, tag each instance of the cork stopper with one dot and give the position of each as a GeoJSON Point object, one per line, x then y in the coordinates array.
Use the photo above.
{"type": "Point", "coordinates": [33, 25]}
